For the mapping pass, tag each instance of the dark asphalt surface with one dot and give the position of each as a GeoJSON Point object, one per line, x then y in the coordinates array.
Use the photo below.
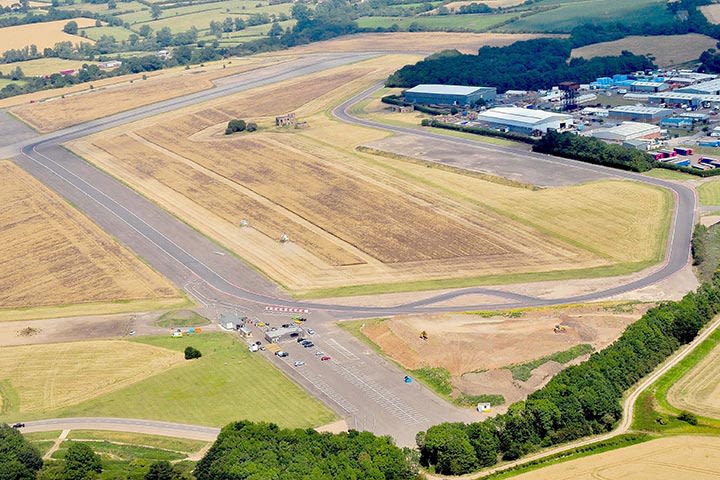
{"type": "Point", "coordinates": [185, 255]}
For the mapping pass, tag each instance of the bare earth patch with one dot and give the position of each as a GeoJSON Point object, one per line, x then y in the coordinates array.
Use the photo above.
{"type": "Point", "coordinates": [667, 50]}
{"type": "Point", "coordinates": [663, 459]}
{"type": "Point", "coordinates": [475, 348]}
{"type": "Point", "coordinates": [711, 12]}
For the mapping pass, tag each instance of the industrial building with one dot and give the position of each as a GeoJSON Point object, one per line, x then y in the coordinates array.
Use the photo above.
{"type": "Point", "coordinates": [627, 131]}
{"type": "Point", "coordinates": [282, 334]}
{"type": "Point", "coordinates": [677, 122]}
{"type": "Point", "coordinates": [679, 99]}
{"type": "Point", "coordinates": [449, 94]}
{"type": "Point", "coordinates": [705, 88]}
{"type": "Point", "coordinates": [639, 114]}
{"type": "Point", "coordinates": [524, 120]}
{"type": "Point", "coordinates": [649, 87]}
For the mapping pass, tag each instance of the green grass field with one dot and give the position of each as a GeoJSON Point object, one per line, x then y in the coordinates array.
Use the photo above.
{"type": "Point", "coordinates": [155, 441]}
{"type": "Point", "coordinates": [122, 452]}
{"type": "Point", "coordinates": [709, 192]}
{"type": "Point", "coordinates": [523, 371]}
{"type": "Point", "coordinates": [458, 23]}
{"type": "Point", "coordinates": [666, 174]}
{"type": "Point", "coordinates": [228, 383]}
{"type": "Point", "coordinates": [120, 33]}
{"type": "Point", "coordinates": [181, 318]}
{"type": "Point", "coordinates": [571, 13]}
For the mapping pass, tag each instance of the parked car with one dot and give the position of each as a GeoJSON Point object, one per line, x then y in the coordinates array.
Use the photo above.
{"type": "Point", "coordinates": [308, 345]}
{"type": "Point", "coordinates": [310, 331]}
{"type": "Point", "coordinates": [131, 332]}
{"type": "Point", "coordinates": [319, 353]}
{"type": "Point", "coordinates": [18, 425]}
{"type": "Point", "coordinates": [301, 339]}
{"type": "Point", "coordinates": [305, 342]}
{"type": "Point", "coordinates": [299, 363]}
{"type": "Point", "coordinates": [281, 353]}
{"type": "Point", "coordinates": [325, 358]}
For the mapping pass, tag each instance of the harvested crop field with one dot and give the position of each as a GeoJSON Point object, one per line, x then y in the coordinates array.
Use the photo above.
{"type": "Point", "coordinates": [44, 66]}
{"type": "Point", "coordinates": [428, 42]}
{"type": "Point", "coordinates": [36, 379]}
{"type": "Point", "coordinates": [42, 35]}
{"type": "Point", "coordinates": [57, 113]}
{"type": "Point", "coordinates": [354, 218]}
{"type": "Point", "coordinates": [51, 255]}
{"type": "Point", "coordinates": [667, 50]}
{"type": "Point", "coordinates": [663, 459]}
{"type": "Point", "coordinates": [475, 349]}
{"type": "Point", "coordinates": [711, 12]}
{"type": "Point", "coordinates": [699, 390]}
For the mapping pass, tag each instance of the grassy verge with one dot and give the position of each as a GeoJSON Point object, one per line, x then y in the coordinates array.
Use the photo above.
{"type": "Point", "coordinates": [665, 174]}
{"type": "Point", "coordinates": [181, 318]}
{"type": "Point", "coordinates": [709, 254]}
{"type": "Point", "coordinates": [228, 383]}
{"type": "Point", "coordinates": [523, 371]}
{"type": "Point", "coordinates": [155, 441]}
{"type": "Point", "coordinates": [378, 288]}
{"type": "Point", "coordinates": [116, 451]}
{"type": "Point", "coordinates": [614, 443]}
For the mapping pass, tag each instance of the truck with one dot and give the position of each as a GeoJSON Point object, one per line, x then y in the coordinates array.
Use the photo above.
{"type": "Point", "coordinates": [684, 151]}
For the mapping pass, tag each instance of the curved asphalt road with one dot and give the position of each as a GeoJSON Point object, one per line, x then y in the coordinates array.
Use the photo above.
{"type": "Point", "coordinates": [149, 228]}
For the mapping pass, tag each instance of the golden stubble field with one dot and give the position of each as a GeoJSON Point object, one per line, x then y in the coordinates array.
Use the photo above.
{"type": "Point", "coordinates": [356, 218]}
{"type": "Point", "coordinates": [37, 379]}
{"type": "Point", "coordinates": [42, 35]}
{"type": "Point", "coordinates": [671, 458]}
{"type": "Point", "coordinates": [58, 112]}
{"type": "Point", "coordinates": [711, 12]}
{"type": "Point", "coordinates": [667, 50]}
{"type": "Point", "coordinates": [699, 390]}
{"type": "Point", "coordinates": [51, 255]}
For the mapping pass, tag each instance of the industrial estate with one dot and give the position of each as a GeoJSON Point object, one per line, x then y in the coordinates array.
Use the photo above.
{"type": "Point", "coordinates": [359, 240]}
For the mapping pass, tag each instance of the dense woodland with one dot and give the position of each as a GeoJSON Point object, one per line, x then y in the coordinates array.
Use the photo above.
{"type": "Point", "coordinates": [262, 450]}
{"type": "Point", "coordinates": [19, 460]}
{"type": "Point", "coordinates": [581, 400]}
{"type": "Point", "coordinates": [529, 65]}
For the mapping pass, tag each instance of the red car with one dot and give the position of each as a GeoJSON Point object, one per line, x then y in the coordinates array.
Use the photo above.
{"type": "Point", "coordinates": [324, 359]}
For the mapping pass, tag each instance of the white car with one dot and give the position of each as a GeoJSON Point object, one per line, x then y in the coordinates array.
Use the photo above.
{"type": "Point", "coordinates": [310, 331]}
{"type": "Point", "coordinates": [319, 353]}
{"type": "Point", "coordinates": [299, 363]}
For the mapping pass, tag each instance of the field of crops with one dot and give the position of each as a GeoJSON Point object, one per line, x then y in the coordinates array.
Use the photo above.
{"type": "Point", "coordinates": [52, 255]}
{"type": "Point", "coordinates": [470, 23]}
{"type": "Point", "coordinates": [667, 50]}
{"type": "Point", "coordinates": [699, 390]}
{"type": "Point", "coordinates": [41, 35]}
{"type": "Point", "coordinates": [44, 66]}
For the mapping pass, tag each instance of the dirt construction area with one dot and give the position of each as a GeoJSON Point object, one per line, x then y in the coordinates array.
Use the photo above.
{"type": "Point", "coordinates": [699, 390]}
{"type": "Point", "coordinates": [51, 255]}
{"type": "Point", "coordinates": [475, 348]}
{"type": "Point", "coordinates": [669, 458]}
{"type": "Point", "coordinates": [353, 218]}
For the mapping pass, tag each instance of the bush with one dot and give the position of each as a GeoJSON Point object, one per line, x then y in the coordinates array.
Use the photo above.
{"type": "Point", "coordinates": [19, 459]}
{"type": "Point", "coordinates": [191, 353]}
{"type": "Point", "coordinates": [251, 127]}
{"type": "Point", "coordinates": [235, 126]}
{"type": "Point", "coordinates": [688, 417]}
{"type": "Point", "coordinates": [81, 462]}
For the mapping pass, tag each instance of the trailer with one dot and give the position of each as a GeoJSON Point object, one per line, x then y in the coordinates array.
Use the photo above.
{"type": "Point", "coordinates": [684, 151]}
{"type": "Point", "coordinates": [657, 156]}
{"type": "Point", "coordinates": [681, 162]}
{"type": "Point", "coordinates": [668, 153]}
{"type": "Point", "coordinates": [703, 166]}
{"type": "Point", "coordinates": [710, 161]}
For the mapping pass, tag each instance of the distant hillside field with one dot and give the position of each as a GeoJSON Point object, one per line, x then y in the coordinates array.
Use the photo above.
{"type": "Point", "coordinates": [667, 50]}
{"type": "Point", "coordinates": [42, 35]}
{"type": "Point", "coordinates": [711, 12]}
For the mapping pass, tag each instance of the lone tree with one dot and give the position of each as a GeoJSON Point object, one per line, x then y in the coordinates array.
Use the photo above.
{"type": "Point", "coordinates": [81, 462]}
{"type": "Point", "coordinates": [235, 126]}
{"type": "Point", "coordinates": [191, 353]}
{"type": "Point", "coordinates": [71, 27]}
{"type": "Point", "coordinates": [251, 127]}
{"type": "Point", "coordinates": [155, 11]}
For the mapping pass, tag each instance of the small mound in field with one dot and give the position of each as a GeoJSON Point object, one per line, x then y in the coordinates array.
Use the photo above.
{"type": "Point", "coordinates": [181, 318]}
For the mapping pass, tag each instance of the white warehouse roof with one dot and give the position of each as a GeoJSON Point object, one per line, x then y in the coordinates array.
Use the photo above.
{"type": "Point", "coordinates": [638, 109]}
{"type": "Point", "coordinates": [626, 130]}
{"type": "Point", "coordinates": [444, 89]}
{"type": "Point", "coordinates": [705, 87]}
{"type": "Point", "coordinates": [517, 115]}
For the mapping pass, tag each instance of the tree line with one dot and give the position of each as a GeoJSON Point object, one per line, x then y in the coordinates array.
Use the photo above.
{"type": "Point", "coordinates": [263, 450]}
{"type": "Point", "coordinates": [593, 150]}
{"type": "Point", "coordinates": [581, 400]}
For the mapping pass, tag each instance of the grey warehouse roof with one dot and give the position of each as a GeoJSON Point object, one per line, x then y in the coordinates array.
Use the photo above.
{"type": "Point", "coordinates": [520, 115]}
{"type": "Point", "coordinates": [445, 89]}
